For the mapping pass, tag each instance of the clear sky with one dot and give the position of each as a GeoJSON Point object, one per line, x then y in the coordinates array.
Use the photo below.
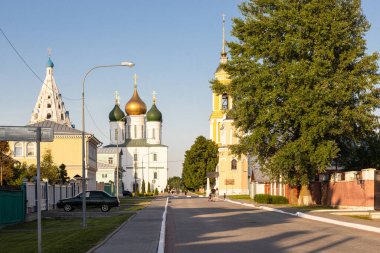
{"type": "Point", "coordinates": [175, 45]}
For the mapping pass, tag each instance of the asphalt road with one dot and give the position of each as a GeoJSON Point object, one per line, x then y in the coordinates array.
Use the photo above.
{"type": "Point", "coordinates": [196, 225]}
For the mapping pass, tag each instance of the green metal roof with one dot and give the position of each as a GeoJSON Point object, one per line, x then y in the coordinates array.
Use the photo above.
{"type": "Point", "coordinates": [154, 114]}
{"type": "Point", "coordinates": [116, 114]}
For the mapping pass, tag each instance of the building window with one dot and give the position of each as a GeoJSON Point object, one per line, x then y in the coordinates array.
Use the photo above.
{"type": "Point", "coordinates": [104, 175]}
{"type": "Point", "coordinates": [62, 116]}
{"type": "Point", "coordinates": [155, 157]}
{"type": "Point", "coordinates": [135, 157]}
{"type": "Point", "coordinates": [48, 105]}
{"type": "Point", "coordinates": [122, 132]}
{"type": "Point", "coordinates": [142, 131]}
{"type": "Point", "coordinates": [233, 164]}
{"type": "Point", "coordinates": [18, 149]}
{"type": "Point", "coordinates": [110, 160]}
{"type": "Point", "coordinates": [135, 128]}
{"type": "Point", "coordinates": [30, 149]}
{"type": "Point", "coordinates": [155, 175]}
{"type": "Point", "coordinates": [116, 135]}
{"type": "Point", "coordinates": [153, 134]}
{"type": "Point", "coordinates": [48, 116]}
{"type": "Point", "coordinates": [224, 101]}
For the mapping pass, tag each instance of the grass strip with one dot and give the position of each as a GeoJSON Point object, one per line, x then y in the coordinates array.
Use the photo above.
{"type": "Point", "coordinates": [59, 235]}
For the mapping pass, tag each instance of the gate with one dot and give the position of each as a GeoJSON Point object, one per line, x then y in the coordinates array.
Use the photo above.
{"type": "Point", "coordinates": [377, 190]}
{"type": "Point", "coordinates": [12, 206]}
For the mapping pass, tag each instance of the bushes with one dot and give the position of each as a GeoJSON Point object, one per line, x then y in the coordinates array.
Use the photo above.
{"type": "Point", "coordinates": [269, 199]}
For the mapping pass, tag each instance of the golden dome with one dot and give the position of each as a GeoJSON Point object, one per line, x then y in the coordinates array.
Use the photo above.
{"type": "Point", "coordinates": [135, 105]}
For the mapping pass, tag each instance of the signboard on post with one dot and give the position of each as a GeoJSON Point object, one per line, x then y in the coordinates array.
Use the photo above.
{"type": "Point", "coordinates": [212, 174]}
{"type": "Point", "coordinates": [25, 133]}
{"type": "Point", "coordinates": [31, 134]}
{"type": "Point", "coordinates": [230, 182]}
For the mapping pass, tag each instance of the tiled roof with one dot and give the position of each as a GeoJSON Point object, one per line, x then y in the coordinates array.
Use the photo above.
{"type": "Point", "coordinates": [57, 128]}
{"type": "Point", "coordinates": [60, 129]}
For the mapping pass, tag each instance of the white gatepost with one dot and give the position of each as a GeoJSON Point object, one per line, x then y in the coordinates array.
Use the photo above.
{"type": "Point", "coordinates": [208, 190]}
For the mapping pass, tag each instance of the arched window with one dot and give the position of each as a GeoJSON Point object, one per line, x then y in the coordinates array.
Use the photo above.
{"type": "Point", "coordinates": [155, 175]}
{"type": "Point", "coordinates": [155, 157]}
{"type": "Point", "coordinates": [62, 116]}
{"type": "Point", "coordinates": [153, 134]}
{"type": "Point", "coordinates": [17, 149]}
{"type": "Point", "coordinates": [233, 164]}
{"type": "Point", "coordinates": [48, 105]}
{"type": "Point", "coordinates": [48, 116]}
{"type": "Point", "coordinates": [224, 101]}
{"type": "Point", "coordinates": [30, 149]}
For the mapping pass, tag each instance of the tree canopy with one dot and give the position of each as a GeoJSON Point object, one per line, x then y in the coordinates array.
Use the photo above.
{"type": "Point", "coordinates": [303, 87]}
{"type": "Point", "coordinates": [174, 183]}
{"type": "Point", "coordinates": [202, 157]}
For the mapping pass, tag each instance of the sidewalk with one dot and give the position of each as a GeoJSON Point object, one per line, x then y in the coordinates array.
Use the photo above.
{"type": "Point", "coordinates": [334, 216]}
{"type": "Point", "coordinates": [141, 233]}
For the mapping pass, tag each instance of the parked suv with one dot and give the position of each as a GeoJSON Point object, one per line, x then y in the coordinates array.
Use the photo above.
{"type": "Point", "coordinates": [93, 199]}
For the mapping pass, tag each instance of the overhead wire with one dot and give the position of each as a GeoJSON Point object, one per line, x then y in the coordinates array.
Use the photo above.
{"type": "Point", "coordinates": [29, 67]}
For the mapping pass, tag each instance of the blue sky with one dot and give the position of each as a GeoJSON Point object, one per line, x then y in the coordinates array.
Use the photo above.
{"type": "Point", "coordinates": [175, 45]}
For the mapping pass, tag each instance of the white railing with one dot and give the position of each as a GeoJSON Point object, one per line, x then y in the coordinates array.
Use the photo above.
{"type": "Point", "coordinates": [50, 194]}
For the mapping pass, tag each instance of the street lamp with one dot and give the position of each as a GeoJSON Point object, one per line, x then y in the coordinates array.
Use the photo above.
{"type": "Point", "coordinates": [122, 64]}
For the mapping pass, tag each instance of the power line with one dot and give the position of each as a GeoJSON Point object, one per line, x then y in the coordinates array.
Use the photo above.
{"type": "Point", "coordinates": [93, 121]}
{"type": "Point", "coordinates": [29, 67]}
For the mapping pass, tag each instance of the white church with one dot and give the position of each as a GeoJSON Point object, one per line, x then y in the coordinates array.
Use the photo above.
{"type": "Point", "coordinates": [137, 137]}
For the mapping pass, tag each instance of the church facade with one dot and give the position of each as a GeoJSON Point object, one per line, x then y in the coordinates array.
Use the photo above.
{"type": "Point", "coordinates": [49, 111]}
{"type": "Point", "coordinates": [232, 170]}
{"type": "Point", "coordinates": [136, 136]}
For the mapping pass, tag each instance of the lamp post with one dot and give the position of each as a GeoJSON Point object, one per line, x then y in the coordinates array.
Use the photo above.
{"type": "Point", "coordinates": [122, 64]}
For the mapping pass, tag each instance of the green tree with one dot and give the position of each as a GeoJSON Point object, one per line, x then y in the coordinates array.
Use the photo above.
{"type": "Point", "coordinates": [174, 183]}
{"type": "Point", "coordinates": [303, 87]}
{"type": "Point", "coordinates": [143, 187]}
{"type": "Point", "coordinates": [149, 190]}
{"type": "Point", "coordinates": [6, 163]}
{"type": "Point", "coordinates": [63, 178]}
{"type": "Point", "coordinates": [202, 157]}
{"type": "Point", "coordinates": [49, 170]}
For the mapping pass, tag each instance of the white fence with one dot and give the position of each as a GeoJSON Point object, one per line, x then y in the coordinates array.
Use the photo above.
{"type": "Point", "coordinates": [50, 195]}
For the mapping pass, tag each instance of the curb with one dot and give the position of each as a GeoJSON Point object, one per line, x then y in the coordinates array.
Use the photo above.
{"type": "Point", "coordinates": [110, 235]}
{"type": "Point", "coordinates": [161, 244]}
{"type": "Point", "coordinates": [312, 217]}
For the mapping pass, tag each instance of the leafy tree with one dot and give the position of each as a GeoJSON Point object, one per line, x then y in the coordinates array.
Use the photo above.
{"type": "Point", "coordinates": [49, 170]}
{"type": "Point", "coordinates": [63, 173]}
{"type": "Point", "coordinates": [303, 87]}
{"type": "Point", "coordinates": [22, 171]}
{"type": "Point", "coordinates": [174, 183]}
{"type": "Point", "coordinates": [7, 163]}
{"type": "Point", "coordinates": [202, 157]}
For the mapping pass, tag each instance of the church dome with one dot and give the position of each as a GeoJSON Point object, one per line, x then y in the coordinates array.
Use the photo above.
{"type": "Point", "coordinates": [49, 63]}
{"type": "Point", "coordinates": [154, 114]}
{"type": "Point", "coordinates": [116, 114]}
{"type": "Point", "coordinates": [135, 105]}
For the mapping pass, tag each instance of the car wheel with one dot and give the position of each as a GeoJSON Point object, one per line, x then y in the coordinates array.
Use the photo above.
{"type": "Point", "coordinates": [105, 208]}
{"type": "Point", "coordinates": [67, 208]}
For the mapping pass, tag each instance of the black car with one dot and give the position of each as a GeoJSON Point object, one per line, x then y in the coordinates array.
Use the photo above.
{"type": "Point", "coordinates": [127, 193]}
{"type": "Point", "coordinates": [93, 199]}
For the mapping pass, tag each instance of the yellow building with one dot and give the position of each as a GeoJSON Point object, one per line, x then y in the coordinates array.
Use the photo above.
{"type": "Point", "coordinates": [66, 148]}
{"type": "Point", "coordinates": [233, 171]}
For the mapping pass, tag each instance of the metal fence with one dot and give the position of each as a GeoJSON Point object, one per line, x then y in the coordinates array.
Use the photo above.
{"type": "Point", "coordinates": [12, 206]}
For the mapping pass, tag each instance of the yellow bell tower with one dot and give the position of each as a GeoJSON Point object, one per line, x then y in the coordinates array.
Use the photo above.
{"type": "Point", "coordinates": [220, 102]}
{"type": "Point", "coordinates": [233, 171]}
